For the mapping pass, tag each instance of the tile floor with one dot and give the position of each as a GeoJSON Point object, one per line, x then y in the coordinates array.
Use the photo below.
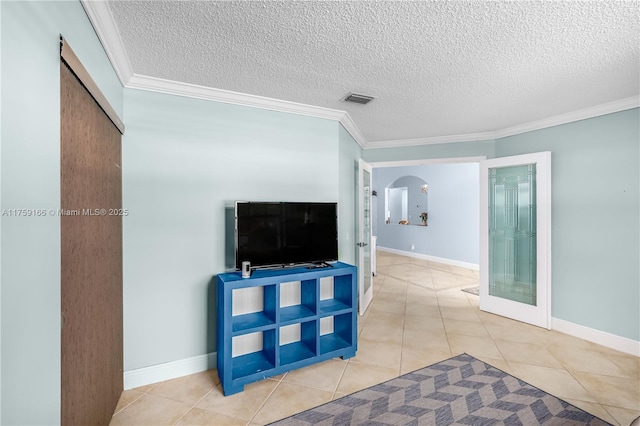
{"type": "Point", "coordinates": [419, 316]}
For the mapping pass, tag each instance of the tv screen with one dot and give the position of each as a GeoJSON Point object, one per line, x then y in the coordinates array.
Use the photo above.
{"type": "Point", "coordinates": [278, 234]}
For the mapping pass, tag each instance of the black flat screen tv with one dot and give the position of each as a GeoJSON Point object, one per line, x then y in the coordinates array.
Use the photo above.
{"type": "Point", "coordinates": [283, 234]}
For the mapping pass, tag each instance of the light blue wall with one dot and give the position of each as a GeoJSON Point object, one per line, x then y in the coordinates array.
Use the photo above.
{"type": "Point", "coordinates": [595, 211]}
{"type": "Point", "coordinates": [184, 159]}
{"type": "Point", "coordinates": [30, 176]}
{"type": "Point", "coordinates": [453, 202]}
{"type": "Point", "coordinates": [349, 152]}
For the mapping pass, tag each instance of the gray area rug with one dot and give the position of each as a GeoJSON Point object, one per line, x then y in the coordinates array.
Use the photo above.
{"type": "Point", "coordinates": [459, 391]}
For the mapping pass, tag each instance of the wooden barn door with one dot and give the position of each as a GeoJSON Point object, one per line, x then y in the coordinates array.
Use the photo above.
{"type": "Point", "coordinates": [91, 236]}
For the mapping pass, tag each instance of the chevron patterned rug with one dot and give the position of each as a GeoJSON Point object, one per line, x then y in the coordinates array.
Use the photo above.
{"type": "Point", "coordinates": [459, 391]}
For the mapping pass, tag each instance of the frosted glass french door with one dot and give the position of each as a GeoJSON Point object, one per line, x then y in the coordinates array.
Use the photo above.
{"type": "Point", "coordinates": [515, 236]}
{"type": "Point", "coordinates": [365, 276]}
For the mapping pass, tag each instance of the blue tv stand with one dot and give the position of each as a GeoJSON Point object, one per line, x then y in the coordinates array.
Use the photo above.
{"type": "Point", "coordinates": [327, 326]}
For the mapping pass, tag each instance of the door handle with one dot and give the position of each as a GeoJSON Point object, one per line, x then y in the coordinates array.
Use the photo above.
{"type": "Point", "coordinates": [362, 244]}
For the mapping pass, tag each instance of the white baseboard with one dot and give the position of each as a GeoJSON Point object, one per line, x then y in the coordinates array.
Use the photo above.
{"type": "Point", "coordinates": [446, 261]}
{"type": "Point", "coordinates": [168, 370]}
{"type": "Point", "coordinates": [603, 338]}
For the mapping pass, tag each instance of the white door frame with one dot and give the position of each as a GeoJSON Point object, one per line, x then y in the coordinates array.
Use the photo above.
{"type": "Point", "coordinates": [545, 228]}
{"type": "Point", "coordinates": [539, 315]}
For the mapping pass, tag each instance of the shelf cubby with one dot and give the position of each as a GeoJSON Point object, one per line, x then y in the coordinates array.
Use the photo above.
{"type": "Point", "coordinates": [252, 363]}
{"type": "Point", "coordinates": [265, 315]}
{"type": "Point", "coordinates": [270, 323]}
{"type": "Point", "coordinates": [343, 297]}
{"type": "Point", "coordinates": [343, 335]}
{"type": "Point", "coordinates": [305, 304]}
{"type": "Point", "coordinates": [302, 349]}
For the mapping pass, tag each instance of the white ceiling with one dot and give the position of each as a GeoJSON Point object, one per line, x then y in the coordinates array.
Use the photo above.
{"type": "Point", "coordinates": [439, 70]}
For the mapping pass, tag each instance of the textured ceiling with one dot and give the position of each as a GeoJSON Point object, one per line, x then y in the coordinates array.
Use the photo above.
{"type": "Point", "coordinates": [435, 68]}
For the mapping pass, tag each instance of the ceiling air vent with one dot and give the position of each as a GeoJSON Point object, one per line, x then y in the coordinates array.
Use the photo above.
{"type": "Point", "coordinates": [358, 99]}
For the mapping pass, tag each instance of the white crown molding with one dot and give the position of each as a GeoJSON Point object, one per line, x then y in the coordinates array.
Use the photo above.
{"type": "Point", "coordinates": [570, 117]}
{"type": "Point", "coordinates": [427, 161]}
{"type": "Point", "coordinates": [177, 88]}
{"type": "Point", "coordinates": [431, 140]}
{"type": "Point", "coordinates": [351, 127]}
{"type": "Point", "coordinates": [105, 27]}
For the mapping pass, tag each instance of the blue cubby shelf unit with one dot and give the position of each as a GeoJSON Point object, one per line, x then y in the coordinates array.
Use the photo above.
{"type": "Point", "coordinates": [265, 326]}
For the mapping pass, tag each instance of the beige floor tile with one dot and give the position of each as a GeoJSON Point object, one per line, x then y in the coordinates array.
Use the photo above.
{"type": "Point", "coordinates": [464, 272]}
{"type": "Point", "coordinates": [414, 290]}
{"type": "Point", "coordinates": [188, 389]}
{"type": "Point", "coordinates": [146, 388]}
{"type": "Point", "coordinates": [593, 408]}
{"type": "Point", "coordinates": [511, 333]}
{"type": "Point", "coordinates": [500, 364]}
{"type": "Point", "coordinates": [440, 284]}
{"type": "Point", "coordinates": [474, 300]}
{"type": "Point", "coordinates": [553, 338]}
{"type": "Point", "coordinates": [623, 416]}
{"type": "Point", "coordinates": [587, 362]}
{"type": "Point", "coordinates": [416, 358]}
{"type": "Point", "coordinates": [391, 297]}
{"type": "Point", "coordinates": [151, 410]}
{"type": "Point", "coordinates": [414, 308]}
{"type": "Point", "coordinates": [396, 271]}
{"type": "Point", "coordinates": [466, 328]}
{"type": "Point", "coordinates": [556, 381]}
{"type": "Point", "coordinates": [359, 376]}
{"type": "Point", "coordinates": [200, 417]}
{"type": "Point", "coordinates": [462, 314]}
{"type": "Point", "coordinates": [243, 405]}
{"type": "Point", "coordinates": [423, 278]}
{"type": "Point", "coordinates": [338, 395]}
{"type": "Point", "coordinates": [386, 306]}
{"type": "Point", "coordinates": [439, 266]}
{"type": "Point", "coordinates": [450, 302]}
{"type": "Point", "coordinates": [383, 334]}
{"type": "Point", "coordinates": [394, 285]}
{"type": "Point", "coordinates": [526, 353]}
{"type": "Point", "coordinates": [380, 318]}
{"type": "Point", "coordinates": [628, 363]}
{"type": "Point", "coordinates": [613, 391]}
{"type": "Point", "coordinates": [380, 354]}
{"type": "Point", "coordinates": [425, 323]}
{"type": "Point", "coordinates": [289, 399]}
{"type": "Point", "coordinates": [455, 293]}
{"type": "Point", "coordinates": [422, 339]}
{"type": "Point", "coordinates": [473, 345]}
{"type": "Point", "coordinates": [324, 376]}
{"type": "Point", "coordinates": [489, 318]}
{"type": "Point", "coordinates": [127, 398]}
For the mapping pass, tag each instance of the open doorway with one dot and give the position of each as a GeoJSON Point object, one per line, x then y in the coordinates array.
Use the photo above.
{"type": "Point", "coordinates": [428, 209]}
